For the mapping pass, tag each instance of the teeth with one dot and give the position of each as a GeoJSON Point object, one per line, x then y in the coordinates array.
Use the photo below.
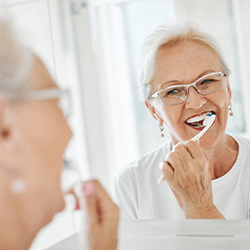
{"type": "Point", "coordinates": [198, 118]}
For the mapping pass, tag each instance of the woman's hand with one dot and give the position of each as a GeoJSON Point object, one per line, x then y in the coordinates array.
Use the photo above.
{"type": "Point", "coordinates": [103, 217]}
{"type": "Point", "coordinates": [186, 171]}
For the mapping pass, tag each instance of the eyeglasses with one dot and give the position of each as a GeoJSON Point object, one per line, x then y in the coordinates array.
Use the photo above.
{"type": "Point", "coordinates": [64, 97]}
{"type": "Point", "coordinates": [177, 94]}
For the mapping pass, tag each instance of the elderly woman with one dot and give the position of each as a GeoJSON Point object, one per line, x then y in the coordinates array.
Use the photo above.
{"type": "Point", "coordinates": [182, 78]}
{"type": "Point", "coordinates": [33, 136]}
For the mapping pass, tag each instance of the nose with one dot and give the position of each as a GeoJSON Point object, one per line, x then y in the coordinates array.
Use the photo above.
{"type": "Point", "coordinates": [195, 100]}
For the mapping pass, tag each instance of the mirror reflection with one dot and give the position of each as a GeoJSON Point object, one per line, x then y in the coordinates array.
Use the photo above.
{"type": "Point", "coordinates": [172, 58]}
{"type": "Point", "coordinates": [184, 82]}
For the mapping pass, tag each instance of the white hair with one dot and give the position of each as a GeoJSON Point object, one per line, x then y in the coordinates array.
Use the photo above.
{"type": "Point", "coordinates": [167, 36]}
{"type": "Point", "coordinates": [15, 62]}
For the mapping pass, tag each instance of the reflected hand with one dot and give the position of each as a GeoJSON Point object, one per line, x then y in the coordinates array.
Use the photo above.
{"type": "Point", "coordinates": [186, 171]}
{"type": "Point", "coordinates": [103, 217]}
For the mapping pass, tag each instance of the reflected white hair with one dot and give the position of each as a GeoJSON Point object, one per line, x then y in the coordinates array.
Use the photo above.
{"type": "Point", "coordinates": [15, 62]}
{"type": "Point", "coordinates": [167, 36]}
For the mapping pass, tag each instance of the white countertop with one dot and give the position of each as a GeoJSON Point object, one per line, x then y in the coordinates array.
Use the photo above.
{"type": "Point", "coordinates": [175, 234]}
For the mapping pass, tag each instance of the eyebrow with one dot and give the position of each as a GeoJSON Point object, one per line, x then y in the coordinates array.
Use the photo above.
{"type": "Point", "coordinates": [177, 81]}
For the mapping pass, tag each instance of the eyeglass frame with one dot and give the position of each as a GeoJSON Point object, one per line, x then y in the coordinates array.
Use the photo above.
{"type": "Point", "coordinates": [48, 94]}
{"type": "Point", "coordinates": [45, 94]}
{"type": "Point", "coordinates": [157, 94]}
{"type": "Point", "coordinates": [38, 95]}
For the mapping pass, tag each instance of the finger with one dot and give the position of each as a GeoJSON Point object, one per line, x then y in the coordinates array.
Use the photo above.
{"type": "Point", "coordinates": [174, 161]}
{"type": "Point", "coordinates": [99, 191]}
{"type": "Point", "coordinates": [90, 203]}
{"type": "Point", "coordinates": [104, 205]}
{"type": "Point", "coordinates": [162, 163]}
{"type": "Point", "coordinates": [194, 150]}
{"type": "Point", "coordinates": [168, 172]}
{"type": "Point", "coordinates": [197, 155]}
{"type": "Point", "coordinates": [183, 155]}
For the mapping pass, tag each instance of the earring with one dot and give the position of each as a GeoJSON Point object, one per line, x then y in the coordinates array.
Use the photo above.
{"type": "Point", "coordinates": [162, 131]}
{"type": "Point", "coordinates": [231, 110]}
{"type": "Point", "coordinates": [18, 186]}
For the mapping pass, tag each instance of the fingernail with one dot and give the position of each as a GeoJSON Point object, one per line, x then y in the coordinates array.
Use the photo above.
{"type": "Point", "coordinates": [161, 165]}
{"type": "Point", "coordinates": [88, 190]}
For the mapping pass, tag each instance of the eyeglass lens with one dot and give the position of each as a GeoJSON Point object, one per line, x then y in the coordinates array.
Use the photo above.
{"type": "Point", "coordinates": [178, 94]}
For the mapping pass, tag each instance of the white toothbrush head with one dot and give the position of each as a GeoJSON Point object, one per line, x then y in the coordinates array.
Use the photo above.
{"type": "Point", "coordinates": [206, 119]}
{"type": "Point", "coordinates": [209, 120]}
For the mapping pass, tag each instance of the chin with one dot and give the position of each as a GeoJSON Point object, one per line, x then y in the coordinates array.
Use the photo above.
{"type": "Point", "coordinates": [57, 204]}
{"type": "Point", "coordinates": [62, 204]}
{"type": "Point", "coordinates": [207, 144]}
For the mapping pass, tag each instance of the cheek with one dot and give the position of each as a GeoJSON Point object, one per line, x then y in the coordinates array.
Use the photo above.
{"type": "Point", "coordinates": [46, 132]}
{"type": "Point", "coordinates": [222, 100]}
{"type": "Point", "coordinates": [53, 132]}
{"type": "Point", "coordinates": [172, 115]}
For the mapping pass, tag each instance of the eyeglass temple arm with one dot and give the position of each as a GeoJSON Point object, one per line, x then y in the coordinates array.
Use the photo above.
{"type": "Point", "coordinates": [46, 94]}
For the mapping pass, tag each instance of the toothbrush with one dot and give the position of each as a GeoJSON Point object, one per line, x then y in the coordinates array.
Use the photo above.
{"type": "Point", "coordinates": [208, 121]}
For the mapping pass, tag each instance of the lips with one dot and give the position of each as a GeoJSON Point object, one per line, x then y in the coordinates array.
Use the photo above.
{"type": "Point", "coordinates": [197, 120]}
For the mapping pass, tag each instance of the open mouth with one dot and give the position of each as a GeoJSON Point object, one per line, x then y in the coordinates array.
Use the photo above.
{"type": "Point", "coordinates": [197, 121]}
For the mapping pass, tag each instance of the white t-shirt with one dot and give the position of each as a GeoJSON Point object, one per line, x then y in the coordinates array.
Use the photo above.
{"type": "Point", "coordinates": [139, 196]}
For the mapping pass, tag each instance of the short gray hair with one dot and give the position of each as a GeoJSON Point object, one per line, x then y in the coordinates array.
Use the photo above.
{"type": "Point", "coordinates": [15, 62]}
{"type": "Point", "coordinates": [166, 36]}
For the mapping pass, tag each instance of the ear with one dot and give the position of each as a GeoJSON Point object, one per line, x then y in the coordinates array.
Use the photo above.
{"type": "Point", "coordinates": [154, 112]}
{"type": "Point", "coordinates": [229, 90]}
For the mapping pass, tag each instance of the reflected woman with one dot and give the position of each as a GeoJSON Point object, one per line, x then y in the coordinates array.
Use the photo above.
{"type": "Point", "coordinates": [33, 136]}
{"type": "Point", "coordinates": [182, 78]}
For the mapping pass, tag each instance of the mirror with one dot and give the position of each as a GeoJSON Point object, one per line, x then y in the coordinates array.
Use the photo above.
{"type": "Point", "coordinates": [119, 127]}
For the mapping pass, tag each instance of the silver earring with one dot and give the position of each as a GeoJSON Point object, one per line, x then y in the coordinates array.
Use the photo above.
{"type": "Point", "coordinates": [162, 131]}
{"type": "Point", "coordinates": [231, 110]}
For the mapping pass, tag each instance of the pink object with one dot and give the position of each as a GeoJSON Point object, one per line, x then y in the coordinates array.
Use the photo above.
{"type": "Point", "coordinates": [77, 201]}
{"type": "Point", "coordinates": [88, 190]}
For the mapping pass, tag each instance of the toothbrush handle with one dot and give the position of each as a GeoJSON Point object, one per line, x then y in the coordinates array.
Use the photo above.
{"type": "Point", "coordinates": [160, 180]}
{"type": "Point", "coordinates": [198, 136]}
